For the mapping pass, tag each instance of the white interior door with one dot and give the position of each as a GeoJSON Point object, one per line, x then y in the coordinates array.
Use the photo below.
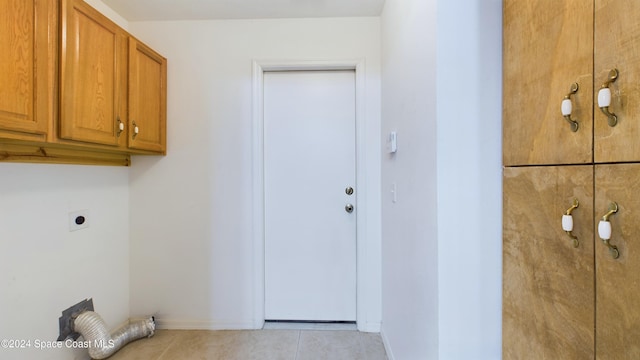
{"type": "Point", "coordinates": [309, 162]}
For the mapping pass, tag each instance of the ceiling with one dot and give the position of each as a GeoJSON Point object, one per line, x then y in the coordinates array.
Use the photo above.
{"type": "Point", "coordinates": [153, 10]}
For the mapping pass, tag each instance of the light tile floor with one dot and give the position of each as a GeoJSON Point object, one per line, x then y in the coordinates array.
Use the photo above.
{"type": "Point", "coordinates": [255, 345]}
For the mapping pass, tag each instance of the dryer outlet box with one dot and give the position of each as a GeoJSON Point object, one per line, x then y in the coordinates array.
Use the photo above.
{"type": "Point", "coordinates": [78, 220]}
{"type": "Point", "coordinates": [66, 320]}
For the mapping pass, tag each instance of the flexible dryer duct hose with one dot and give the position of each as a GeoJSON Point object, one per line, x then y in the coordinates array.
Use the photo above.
{"type": "Point", "coordinates": [101, 344]}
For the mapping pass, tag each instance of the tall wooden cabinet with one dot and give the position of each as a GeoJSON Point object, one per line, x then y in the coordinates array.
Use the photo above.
{"type": "Point", "coordinates": [618, 280]}
{"type": "Point", "coordinates": [548, 307]}
{"type": "Point", "coordinates": [547, 47]}
{"type": "Point", "coordinates": [569, 294]}
{"type": "Point", "coordinates": [617, 46]}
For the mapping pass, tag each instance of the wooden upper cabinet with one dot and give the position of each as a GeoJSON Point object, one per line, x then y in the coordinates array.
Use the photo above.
{"type": "Point", "coordinates": [25, 86]}
{"type": "Point", "coordinates": [147, 98]}
{"type": "Point", "coordinates": [548, 282]}
{"type": "Point", "coordinates": [548, 46]}
{"type": "Point", "coordinates": [75, 87]}
{"type": "Point", "coordinates": [92, 75]}
{"type": "Point", "coordinates": [617, 46]}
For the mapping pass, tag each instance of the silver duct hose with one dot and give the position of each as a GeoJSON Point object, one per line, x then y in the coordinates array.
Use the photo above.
{"type": "Point", "coordinates": [100, 343]}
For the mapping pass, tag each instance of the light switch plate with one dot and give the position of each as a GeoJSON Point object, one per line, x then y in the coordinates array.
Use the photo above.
{"type": "Point", "coordinates": [78, 220]}
{"type": "Point", "coordinates": [392, 144]}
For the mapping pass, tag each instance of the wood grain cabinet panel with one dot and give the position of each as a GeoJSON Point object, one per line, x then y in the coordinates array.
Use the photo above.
{"type": "Point", "coordinates": [548, 46]}
{"type": "Point", "coordinates": [92, 75]}
{"type": "Point", "coordinates": [24, 67]}
{"type": "Point", "coordinates": [548, 284]}
{"type": "Point", "coordinates": [618, 280]}
{"type": "Point", "coordinates": [147, 98]}
{"type": "Point", "coordinates": [617, 46]}
{"type": "Point", "coordinates": [75, 87]}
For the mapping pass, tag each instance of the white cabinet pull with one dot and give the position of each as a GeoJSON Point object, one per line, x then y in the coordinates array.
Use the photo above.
{"type": "Point", "coordinates": [567, 107]}
{"type": "Point", "coordinates": [604, 230]}
{"type": "Point", "coordinates": [604, 98]}
{"type": "Point", "coordinates": [136, 129]}
{"type": "Point", "coordinates": [567, 222]}
{"type": "Point", "coordinates": [120, 126]}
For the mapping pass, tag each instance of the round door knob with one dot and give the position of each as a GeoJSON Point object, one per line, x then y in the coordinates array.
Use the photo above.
{"type": "Point", "coordinates": [348, 208]}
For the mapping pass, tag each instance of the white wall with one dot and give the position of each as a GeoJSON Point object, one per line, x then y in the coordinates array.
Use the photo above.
{"type": "Point", "coordinates": [108, 12]}
{"type": "Point", "coordinates": [44, 268]}
{"type": "Point", "coordinates": [191, 212]}
{"type": "Point", "coordinates": [441, 241]}
{"type": "Point", "coordinates": [409, 226]}
{"type": "Point", "coordinates": [469, 81]}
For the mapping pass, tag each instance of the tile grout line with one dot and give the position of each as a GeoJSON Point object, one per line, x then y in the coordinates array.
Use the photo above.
{"type": "Point", "coordinates": [363, 347]}
{"type": "Point", "coordinates": [298, 344]}
{"type": "Point", "coordinates": [166, 349]}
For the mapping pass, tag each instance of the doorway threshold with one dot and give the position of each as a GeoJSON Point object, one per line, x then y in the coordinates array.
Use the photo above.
{"type": "Point", "coordinates": [310, 325]}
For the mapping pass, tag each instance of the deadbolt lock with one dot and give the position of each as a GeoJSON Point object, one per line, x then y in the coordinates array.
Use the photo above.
{"type": "Point", "coordinates": [349, 190]}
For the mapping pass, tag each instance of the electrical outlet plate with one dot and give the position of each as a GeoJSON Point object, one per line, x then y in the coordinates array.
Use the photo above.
{"type": "Point", "coordinates": [78, 220]}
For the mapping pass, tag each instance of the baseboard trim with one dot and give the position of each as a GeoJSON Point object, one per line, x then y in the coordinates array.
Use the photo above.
{"type": "Point", "coordinates": [385, 342]}
{"type": "Point", "coordinates": [180, 324]}
{"type": "Point", "coordinates": [370, 327]}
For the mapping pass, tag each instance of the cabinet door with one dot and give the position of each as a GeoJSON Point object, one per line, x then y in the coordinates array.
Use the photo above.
{"type": "Point", "coordinates": [92, 70]}
{"type": "Point", "coordinates": [24, 89]}
{"type": "Point", "coordinates": [548, 46]}
{"type": "Point", "coordinates": [147, 98]}
{"type": "Point", "coordinates": [617, 40]}
{"type": "Point", "coordinates": [548, 284]}
{"type": "Point", "coordinates": [618, 280]}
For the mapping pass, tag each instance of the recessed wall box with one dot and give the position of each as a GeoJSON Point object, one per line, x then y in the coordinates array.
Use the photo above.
{"type": "Point", "coordinates": [78, 220]}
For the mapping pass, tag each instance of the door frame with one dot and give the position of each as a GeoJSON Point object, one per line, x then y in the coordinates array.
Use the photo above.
{"type": "Point", "coordinates": [259, 68]}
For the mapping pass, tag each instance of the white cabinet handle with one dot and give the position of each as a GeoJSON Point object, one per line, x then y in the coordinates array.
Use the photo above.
{"type": "Point", "coordinates": [120, 126]}
{"type": "Point", "coordinates": [604, 98]}
{"type": "Point", "coordinates": [567, 107]}
{"type": "Point", "coordinates": [136, 129]}
{"type": "Point", "coordinates": [604, 230]}
{"type": "Point", "coordinates": [567, 222]}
